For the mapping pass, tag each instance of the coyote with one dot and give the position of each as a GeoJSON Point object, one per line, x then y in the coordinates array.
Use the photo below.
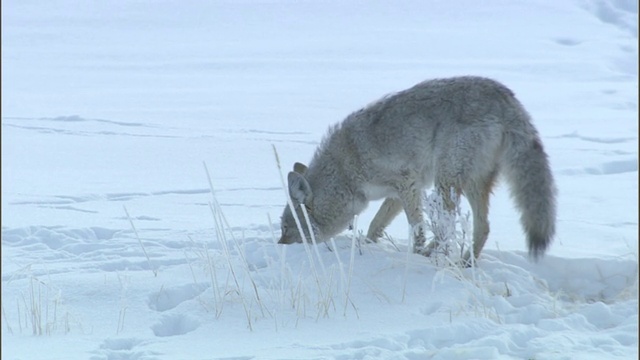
{"type": "Point", "coordinates": [457, 134]}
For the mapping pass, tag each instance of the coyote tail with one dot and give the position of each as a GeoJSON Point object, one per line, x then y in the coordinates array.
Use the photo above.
{"type": "Point", "coordinates": [533, 189]}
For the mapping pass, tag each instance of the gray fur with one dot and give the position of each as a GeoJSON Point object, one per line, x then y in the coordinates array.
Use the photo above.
{"type": "Point", "coordinates": [458, 133]}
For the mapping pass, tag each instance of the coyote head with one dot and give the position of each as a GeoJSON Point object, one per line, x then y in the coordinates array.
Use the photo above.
{"type": "Point", "coordinates": [301, 197]}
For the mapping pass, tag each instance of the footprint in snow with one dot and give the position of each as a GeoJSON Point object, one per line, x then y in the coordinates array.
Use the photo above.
{"type": "Point", "coordinates": [567, 41]}
{"type": "Point", "coordinates": [169, 298]}
{"type": "Point", "coordinates": [176, 324]}
{"type": "Point", "coordinates": [123, 348]}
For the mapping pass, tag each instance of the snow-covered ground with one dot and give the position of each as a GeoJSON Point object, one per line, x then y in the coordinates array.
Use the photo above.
{"type": "Point", "coordinates": [111, 108]}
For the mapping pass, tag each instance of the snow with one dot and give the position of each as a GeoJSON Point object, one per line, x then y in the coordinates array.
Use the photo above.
{"type": "Point", "coordinates": [111, 108]}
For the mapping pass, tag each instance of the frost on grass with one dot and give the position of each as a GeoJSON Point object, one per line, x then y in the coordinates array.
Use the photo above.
{"type": "Point", "coordinates": [447, 230]}
{"type": "Point", "coordinates": [39, 309]}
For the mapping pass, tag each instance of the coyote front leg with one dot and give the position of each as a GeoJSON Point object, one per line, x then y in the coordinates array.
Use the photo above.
{"type": "Point", "coordinates": [411, 199]}
{"type": "Point", "coordinates": [390, 208]}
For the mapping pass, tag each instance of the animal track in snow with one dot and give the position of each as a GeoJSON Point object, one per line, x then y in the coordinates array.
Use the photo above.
{"type": "Point", "coordinates": [65, 201]}
{"type": "Point", "coordinates": [123, 349]}
{"type": "Point", "coordinates": [598, 139]}
{"type": "Point", "coordinates": [620, 13]}
{"type": "Point", "coordinates": [66, 125]}
{"type": "Point", "coordinates": [176, 324]}
{"type": "Point", "coordinates": [567, 41]}
{"type": "Point", "coordinates": [608, 168]}
{"type": "Point", "coordinates": [121, 344]}
{"type": "Point", "coordinates": [615, 167]}
{"type": "Point", "coordinates": [94, 248]}
{"type": "Point", "coordinates": [75, 125]}
{"type": "Point", "coordinates": [167, 299]}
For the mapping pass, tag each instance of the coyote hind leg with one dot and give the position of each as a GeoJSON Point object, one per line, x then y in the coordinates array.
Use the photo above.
{"type": "Point", "coordinates": [478, 196]}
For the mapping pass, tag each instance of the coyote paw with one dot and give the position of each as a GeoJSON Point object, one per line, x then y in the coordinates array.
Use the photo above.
{"type": "Point", "coordinates": [465, 263]}
{"type": "Point", "coordinates": [369, 240]}
{"type": "Point", "coordinates": [467, 260]}
{"type": "Point", "coordinates": [423, 250]}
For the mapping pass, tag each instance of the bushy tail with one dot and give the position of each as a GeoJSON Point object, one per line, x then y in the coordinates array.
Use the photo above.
{"type": "Point", "coordinates": [532, 186]}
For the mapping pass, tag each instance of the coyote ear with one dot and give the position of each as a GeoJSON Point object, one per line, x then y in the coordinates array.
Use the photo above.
{"type": "Point", "coordinates": [300, 168]}
{"type": "Point", "coordinates": [299, 188]}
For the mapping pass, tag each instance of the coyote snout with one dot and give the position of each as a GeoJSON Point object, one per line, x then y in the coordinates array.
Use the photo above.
{"type": "Point", "coordinates": [457, 134]}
